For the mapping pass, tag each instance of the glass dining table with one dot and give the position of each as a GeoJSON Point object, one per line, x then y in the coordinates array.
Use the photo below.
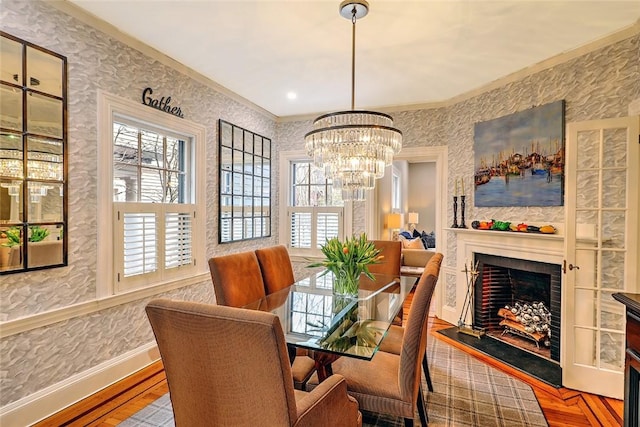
{"type": "Point", "coordinates": [315, 318]}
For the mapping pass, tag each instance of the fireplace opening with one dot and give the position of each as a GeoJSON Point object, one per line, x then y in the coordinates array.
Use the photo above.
{"type": "Point", "coordinates": [517, 301]}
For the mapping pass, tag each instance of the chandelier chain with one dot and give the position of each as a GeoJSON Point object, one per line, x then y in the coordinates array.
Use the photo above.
{"type": "Point", "coordinates": [353, 58]}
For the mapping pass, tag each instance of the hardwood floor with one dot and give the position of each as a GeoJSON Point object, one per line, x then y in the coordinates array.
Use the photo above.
{"type": "Point", "coordinates": [562, 407]}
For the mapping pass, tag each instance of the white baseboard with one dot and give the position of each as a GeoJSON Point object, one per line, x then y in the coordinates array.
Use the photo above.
{"type": "Point", "coordinates": [52, 399]}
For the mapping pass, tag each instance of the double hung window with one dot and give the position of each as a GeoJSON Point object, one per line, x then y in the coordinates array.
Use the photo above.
{"type": "Point", "coordinates": [315, 212]}
{"type": "Point", "coordinates": [153, 203]}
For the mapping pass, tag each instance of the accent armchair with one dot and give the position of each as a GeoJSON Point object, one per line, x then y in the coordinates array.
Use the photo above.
{"type": "Point", "coordinates": [229, 366]}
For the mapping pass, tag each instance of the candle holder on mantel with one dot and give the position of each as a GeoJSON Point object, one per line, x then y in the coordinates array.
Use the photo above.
{"type": "Point", "coordinates": [462, 206]}
{"type": "Point", "coordinates": [455, 212]}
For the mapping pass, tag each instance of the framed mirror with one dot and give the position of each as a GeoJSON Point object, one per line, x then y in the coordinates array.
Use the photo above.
{"type": "Point", "coordinates": [33, 166]}
{"type": "Point", "coordinates": [244, 208]}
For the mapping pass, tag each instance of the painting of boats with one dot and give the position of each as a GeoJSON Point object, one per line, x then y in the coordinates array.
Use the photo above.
{"type": "Point", "coordinates": [519, 158]}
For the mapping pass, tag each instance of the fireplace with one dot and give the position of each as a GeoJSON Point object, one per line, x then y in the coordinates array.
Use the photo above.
{"type": "Point", "coordinates": [518, 301]}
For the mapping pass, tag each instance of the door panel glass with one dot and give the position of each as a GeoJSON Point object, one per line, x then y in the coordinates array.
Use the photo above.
{"type": "Point", "coordinates": [613, 188]}
{"type": "Point", "coordinates": [612, 314]}
{"type": "Point", "coordinates": [612, 269]}
{"type": "Point", "coordinates": [615, 148]}
{"type": "Point", "coordinates": [611, 350]}
{"type": "Point", "coordinates": [586, 308]}
{"type": "Point", "coordinates": [587, 189]}
{"type": "Point", "coordinates": [584, 352]}
{"type": "Point", "coordinates": [613, 229]}
{"type": "Point", "coordinates": [587, 274]}
{"type": "Point", "coordinates": [588, 147]}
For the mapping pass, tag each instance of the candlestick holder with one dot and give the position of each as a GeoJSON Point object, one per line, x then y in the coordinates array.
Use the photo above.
{"type": "Point", "coordinates": [462, 206]}
{"type": "Point", "coordinates": [455, 212]}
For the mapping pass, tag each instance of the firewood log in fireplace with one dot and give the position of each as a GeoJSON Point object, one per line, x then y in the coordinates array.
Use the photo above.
{"type": "Point", "coordinates": [531, 321]}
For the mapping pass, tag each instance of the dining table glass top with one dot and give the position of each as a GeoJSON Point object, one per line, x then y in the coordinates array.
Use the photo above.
{"type": "Point", "coordinates": [313, 317]}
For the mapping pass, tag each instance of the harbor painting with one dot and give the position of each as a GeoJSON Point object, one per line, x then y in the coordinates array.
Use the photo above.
{"type": "Point", "coordinates": [519, 158]}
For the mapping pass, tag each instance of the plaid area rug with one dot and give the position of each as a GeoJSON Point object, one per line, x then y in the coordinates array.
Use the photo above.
{"type": "Point", "coordinates": [466, 393]}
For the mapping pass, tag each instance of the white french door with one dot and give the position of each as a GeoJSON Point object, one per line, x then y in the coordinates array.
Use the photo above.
{"type": "Point", "coordinates": [601, 250]}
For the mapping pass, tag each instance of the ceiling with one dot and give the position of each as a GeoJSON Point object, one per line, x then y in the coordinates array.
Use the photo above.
{"type": "Point", "coordinates": [407, 52]}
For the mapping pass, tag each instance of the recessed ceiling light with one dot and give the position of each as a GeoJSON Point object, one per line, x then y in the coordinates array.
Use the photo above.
{"type": "Point", "coordinates": [291, 95]}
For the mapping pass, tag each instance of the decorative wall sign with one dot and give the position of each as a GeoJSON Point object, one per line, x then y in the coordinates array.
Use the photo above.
{"type": "Point", "coordinates": [162, 104]}
{"type": "Point", "coordinates": [519, 158]}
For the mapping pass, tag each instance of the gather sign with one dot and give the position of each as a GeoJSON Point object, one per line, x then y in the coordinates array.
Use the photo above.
{"type": "Point", "coordinates": [162, 104]}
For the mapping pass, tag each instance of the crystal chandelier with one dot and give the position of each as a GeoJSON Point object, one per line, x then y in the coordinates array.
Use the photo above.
{"type": "Point", "coordinates": [353, 147]}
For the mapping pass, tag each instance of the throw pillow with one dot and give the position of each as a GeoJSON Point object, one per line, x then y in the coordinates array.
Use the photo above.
{"type": "Point", "coordinates": [429, 240]}
{"type": "Point", "coordinates": [406, 235]}
{"type": "Point", "coordinates": [412, 244]}
{"type": "Point", "coordinates": [416, 233]}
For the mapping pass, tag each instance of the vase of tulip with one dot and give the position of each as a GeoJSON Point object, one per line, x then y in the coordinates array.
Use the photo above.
{"type": "Point", "coordinates": [347, 261]}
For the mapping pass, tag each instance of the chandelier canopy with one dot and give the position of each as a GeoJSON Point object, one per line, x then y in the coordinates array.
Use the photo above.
{"type": "Point", "coordinates": [353, 147]}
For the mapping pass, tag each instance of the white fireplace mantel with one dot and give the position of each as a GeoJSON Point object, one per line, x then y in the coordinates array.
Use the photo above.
{"type": "Point", "coordinates": [540, 247]}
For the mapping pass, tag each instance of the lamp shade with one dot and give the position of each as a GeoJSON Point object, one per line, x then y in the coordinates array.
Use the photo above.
{"type": "Point", "coordinates": [394, 220]}
{"type": "Point", "coordinates": [413, 218]}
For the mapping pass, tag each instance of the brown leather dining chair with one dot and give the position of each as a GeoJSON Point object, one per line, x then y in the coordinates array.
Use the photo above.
{"type": "Point", "coordinates": [392, 342]}
{"type": "Point", "coordinates": [391, 250]}
{"type": "Point", "coordinates": [277, 274]}
{"type": "Point", "coordinates": [229, 367]}
{"type": "Point", "coordinates": [237, 279]}
{"type": "Point", "coordinates": [390, 383]}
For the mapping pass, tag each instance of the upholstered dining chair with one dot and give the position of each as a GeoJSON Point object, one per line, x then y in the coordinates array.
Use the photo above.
{"type": "Point", "coordinates": [391, 250]}
{"type": "Point", "coordinates": [277, 274]}
{"type": "Point", "coordinates": [392, 342]}
{"type": "Point", "coordinates": [237, 279]}
{"type": "Point", "coordinates": [229, 366]}
{"type": "Point", "coordinates": [390, 383]}
{"type": "Point", "coordinates": [392, 261]}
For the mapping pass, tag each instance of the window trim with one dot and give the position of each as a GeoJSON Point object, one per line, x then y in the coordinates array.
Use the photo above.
{"type": "Point", "coordinates": [284, 166]}
{"type": "Point", "coordinates": [109, 106]}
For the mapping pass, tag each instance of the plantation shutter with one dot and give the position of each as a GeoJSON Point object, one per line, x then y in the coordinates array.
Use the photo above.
{"type": "Point", "coordinates": [178, 239]}
{"type": "Point", "coordinates": [310, 227]}
{"type": "Point", "coordinates": [140, 254]}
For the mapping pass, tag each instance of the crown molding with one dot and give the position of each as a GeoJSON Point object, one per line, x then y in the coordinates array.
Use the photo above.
{"type": "Point", "coordinates": [76, 12]}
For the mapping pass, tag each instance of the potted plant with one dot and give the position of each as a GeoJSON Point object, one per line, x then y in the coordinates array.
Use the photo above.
{"type": "Point", "coordinates": [347, 261]}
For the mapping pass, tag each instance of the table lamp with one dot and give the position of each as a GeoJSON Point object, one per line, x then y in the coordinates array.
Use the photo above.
{"type": "Point", "coordinates": [393, 223]}
{"type": "Point", "coordinates": [413, 220]}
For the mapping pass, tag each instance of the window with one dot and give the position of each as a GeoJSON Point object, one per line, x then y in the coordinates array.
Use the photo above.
{"type": "Point", "coordinates": [396, 191]}
{"type": "Point", "coordinates": [315, 212]}
{"type": "Point", "coordinates": [150, 197]}
{"type": "Point", "coordinates": [153, 199]}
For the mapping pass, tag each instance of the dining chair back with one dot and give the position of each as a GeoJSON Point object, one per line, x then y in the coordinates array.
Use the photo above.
{"type": "Point", "coordinates": [393, 340]}
{"type": "Point", "coordinates": [390, 383]}
{"type": "Point", "coordinates": [237, 279]}
{"type": "Point", "coordinates": [391, 250]}
{"type": "Point", "coordinates": [229, 366]}
{"type": "Point", "coordinates": [276, 268]}
{"type": "Point", "coordinates": [277, 274]}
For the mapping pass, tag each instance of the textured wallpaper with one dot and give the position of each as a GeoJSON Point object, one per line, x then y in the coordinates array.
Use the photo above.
{"type": "Point", "coordinates": [597, 85]}
{"type": "Point", "coordinates": [96, 61]}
